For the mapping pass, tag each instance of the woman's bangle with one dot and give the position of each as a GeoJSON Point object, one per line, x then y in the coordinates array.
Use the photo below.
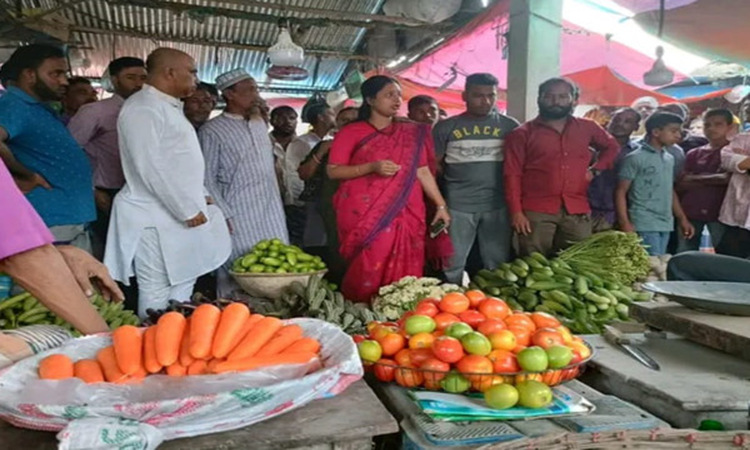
{"type": "Point", "coordinates": [440, 206]}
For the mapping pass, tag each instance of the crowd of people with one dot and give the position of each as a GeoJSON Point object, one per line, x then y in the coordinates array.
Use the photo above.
{"type": "Point", "coordinates": [163, 193]}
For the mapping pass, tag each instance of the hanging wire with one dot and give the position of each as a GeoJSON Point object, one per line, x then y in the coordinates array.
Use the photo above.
{"type": "Point", "coordinates": [661, 16]}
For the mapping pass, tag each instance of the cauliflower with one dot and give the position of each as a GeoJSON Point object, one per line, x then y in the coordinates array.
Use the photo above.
{"type": "Point", "coordinates": [397, 298]}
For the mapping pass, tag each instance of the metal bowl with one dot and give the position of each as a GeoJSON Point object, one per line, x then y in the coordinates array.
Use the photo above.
{"type": "Point", "coordinates": [713, 296]}
{"type": "Point", "coordinates": [271, 285]}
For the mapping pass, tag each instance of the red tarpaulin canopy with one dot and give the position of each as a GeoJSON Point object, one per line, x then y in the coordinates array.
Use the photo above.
{"type": "Point", "coordinates": [601, 86]}
{"type": "Point", "coordinates": [716, 29]}
{"type": "Point", "coordinates": [479, 48]}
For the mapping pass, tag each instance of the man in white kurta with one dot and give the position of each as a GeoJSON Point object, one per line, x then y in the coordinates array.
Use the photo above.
{"type": "Point", "coordinates": [240, 174]}
{"type": "Point", "coordinates": [163, 230]}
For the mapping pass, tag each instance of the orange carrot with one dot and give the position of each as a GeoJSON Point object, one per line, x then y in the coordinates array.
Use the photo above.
{"type": "Point", "coordinates": [169, 330]}
{"type": "Point", "coordinates": [305, 344]}
{"type": "Point", "coordinates": [176, 370]}
{"type": "Point", "coordinates": [281, 340]}
{"type": "Point", "coordinates": [141, 373]}
{"type": "Point", "coordinates": [251, 363]}
{"type": "Point", "coordinates": [249, 324]}
{"type": "Point", "coordinates": [186, 358]}
{"type": "Point", "coordinates": [212, 364]}
{"type": "Point", "coordinates": [256, 338]}
{"type": "Point", "coordinates": [56, 367]}
{"type": "Point", "coordinates": [203, 324]}
{"type": "Point", "coordinates": [128, 345]}
{"type": "Point", "coordinates": [231, 323]}
{"type": "Point", "coordinates": [149, 351]}
{"type": "Point", "coordinates": [108, 361]}
{"type": "Point", "coordinates": [88, 370]}
{"type": "Point", "coordinates": [198, 367]}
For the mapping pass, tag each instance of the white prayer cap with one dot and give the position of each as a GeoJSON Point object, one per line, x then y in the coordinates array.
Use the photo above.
{"type": "Point", "coordinates": [645, 101]}
{"type": "Point", "coordinates": [229, 79]}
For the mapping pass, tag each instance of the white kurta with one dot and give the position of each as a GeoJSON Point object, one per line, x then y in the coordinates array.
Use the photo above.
{"type": "Point", "coordinates": [164, 174]}
{"type": "Point", "coordinates": [295, 154]}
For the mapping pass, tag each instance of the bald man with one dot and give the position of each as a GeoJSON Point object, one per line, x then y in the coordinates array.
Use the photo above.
{"type": "Point", "coordinates": [164, 228]}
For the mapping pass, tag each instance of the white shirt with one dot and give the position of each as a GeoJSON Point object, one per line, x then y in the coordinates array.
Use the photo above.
{"type": "Point", "coordinates": [296, 152]}
{"type": "Point", "coordinates": [735, 210]}
{"type": "Point", "coordinates": [164, 174]}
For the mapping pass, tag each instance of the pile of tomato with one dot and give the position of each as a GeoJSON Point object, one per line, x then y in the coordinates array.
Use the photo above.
{"type": "Point", "coordinates": [471, 342]}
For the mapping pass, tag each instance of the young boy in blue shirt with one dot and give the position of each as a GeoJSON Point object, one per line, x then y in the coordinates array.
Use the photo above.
{"type": "Point", "coordinates": [645, 199]}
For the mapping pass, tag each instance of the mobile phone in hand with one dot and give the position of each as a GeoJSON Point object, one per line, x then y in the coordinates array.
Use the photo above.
{"type": "Point", "coordinates": [437, 228]}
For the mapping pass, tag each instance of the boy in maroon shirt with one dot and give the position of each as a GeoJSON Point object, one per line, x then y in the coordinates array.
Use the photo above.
{"type": "Point", "coordinates": [703, 183]}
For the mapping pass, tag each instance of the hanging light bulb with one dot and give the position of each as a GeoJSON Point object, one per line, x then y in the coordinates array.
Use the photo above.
{"type": "Point", "coordinates": [286, 57]}
{"type": "Point", "coordinates": [659, 74]}
{"type": "Point", "coordinates": [285, 52]}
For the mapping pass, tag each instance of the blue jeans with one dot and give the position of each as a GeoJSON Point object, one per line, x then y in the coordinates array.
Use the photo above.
{"type": "Point", "coordinates": [492, 230]}
{"type": "Point", "coordinates": [655, 241]}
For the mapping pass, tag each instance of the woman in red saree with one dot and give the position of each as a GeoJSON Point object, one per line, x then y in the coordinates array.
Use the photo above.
{"type": "Point", "coordinates": [380, 206]}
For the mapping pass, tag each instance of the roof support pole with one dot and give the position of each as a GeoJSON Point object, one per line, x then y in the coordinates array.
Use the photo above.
{"type": "Point", "coordinates": [534, 52]}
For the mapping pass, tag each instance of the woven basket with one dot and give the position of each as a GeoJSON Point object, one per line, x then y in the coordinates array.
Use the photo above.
{"type": "Point", "coordinates": [270, 285]}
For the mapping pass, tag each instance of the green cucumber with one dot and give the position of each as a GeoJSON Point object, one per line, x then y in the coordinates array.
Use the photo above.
{"type": "Point", "coordinates": [547, 285]}
{"type": "Point", "coordinates": [581, 285]}
{"type": "Point", "coordinates": [539, 257]}
{"type": "Point", "coordinates": [561, 297]}
{"type": "Point", "coordinates": [533, 263]}
{"type": "Point", "coordinates": [556, 307]}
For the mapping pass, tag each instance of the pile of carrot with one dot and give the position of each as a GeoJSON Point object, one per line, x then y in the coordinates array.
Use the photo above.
{"type": "Point", "coordinates": [211, 341]}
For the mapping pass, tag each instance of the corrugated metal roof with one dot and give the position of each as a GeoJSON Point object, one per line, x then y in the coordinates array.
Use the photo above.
{"type": "Point", "coordinates": [98, 49]}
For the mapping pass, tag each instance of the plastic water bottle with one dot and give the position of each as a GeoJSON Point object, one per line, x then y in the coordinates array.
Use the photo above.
{"type": "Point", "coordinates": [706, 245]}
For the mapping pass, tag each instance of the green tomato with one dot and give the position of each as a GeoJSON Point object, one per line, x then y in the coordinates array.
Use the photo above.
{"type": "Point", "coordinates": [455, 383]}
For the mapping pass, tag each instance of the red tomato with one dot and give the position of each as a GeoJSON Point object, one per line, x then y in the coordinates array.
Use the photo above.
{"type": "Point", "coordinates": [448, 349]}
{"type": "Point", "coordinates": [547, 337]}
{"type": "Point", "coordinates": [409, 377]}
{"type": "Point", "coordinates": [473, 318]}
{"type": "Point", "coordinates": [454, 303]}
{"type": "Point", "coordinates": [472, 366]}
{"type": "Point", "coordinates": [385, 369]}
{"type": "Point", "coordinates": [427, 308]}
{"type": "Point", "coordinates": [420, 355]}
{"type": "Point", "coordinates": [359, 338]}
{"type": "Point", "coordinates": [403, 357]}
{"type": "Point", "coordinates": [475, 298]}
{"type": "Point", "coordinates": [434, 370]}
{"type": "Point", "coordinates": [443, 320]}
{"type": "Point", "coordinates": [490, 326]}
{"type": "Point", "coordinates": [494, 308]}
{"type": "Point", "coordinates": [392, 343]}
{"type": "Point", "coordinates": [504, 361]}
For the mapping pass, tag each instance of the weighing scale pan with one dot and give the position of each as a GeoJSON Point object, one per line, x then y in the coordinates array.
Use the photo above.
{"type": "Point", "coordinates": [713, 296]}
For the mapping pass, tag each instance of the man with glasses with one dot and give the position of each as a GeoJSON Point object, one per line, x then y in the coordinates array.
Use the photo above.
{"type": "Point", "coordinates": [198, 107]}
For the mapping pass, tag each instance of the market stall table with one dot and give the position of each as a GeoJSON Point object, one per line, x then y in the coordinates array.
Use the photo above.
{"type": "Point", "coordinates": [610, 414]}
{"type": "Point", "coordinates": [729, 334]}
{"type": "Point", "coordinates": [348, 421]}
{"type": "Point", "coordinates": [695, 383]}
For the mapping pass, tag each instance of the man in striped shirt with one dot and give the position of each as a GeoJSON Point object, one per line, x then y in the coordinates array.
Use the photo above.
{"type": "Point", "coordinates": [240, 174]}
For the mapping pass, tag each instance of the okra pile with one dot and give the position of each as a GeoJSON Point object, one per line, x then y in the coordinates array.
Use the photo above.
{"type": "Point", "coordinates": [320, 300]}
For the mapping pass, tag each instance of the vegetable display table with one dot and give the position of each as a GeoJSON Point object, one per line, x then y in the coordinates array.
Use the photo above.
{"type": "Point", "coordinates": [611, 414]}
{"type": "Point", "coordinates": [348, 421]}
